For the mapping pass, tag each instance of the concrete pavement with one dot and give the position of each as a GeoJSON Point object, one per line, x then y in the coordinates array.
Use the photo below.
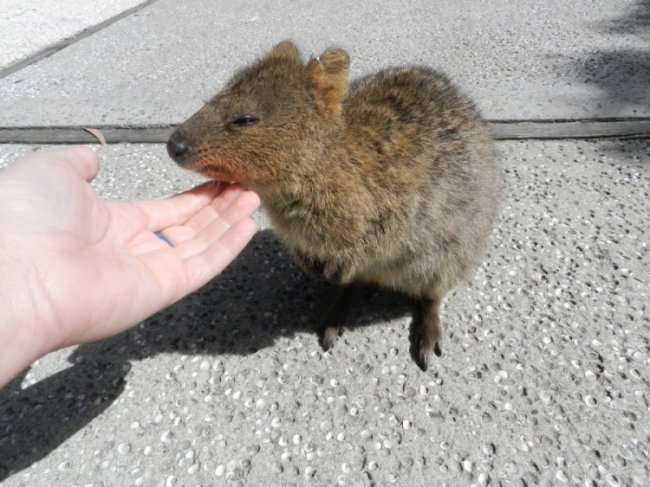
{"type": "Point", "coordinates": [549, 60]}
{"type": "Point", "coordinates": [544, 377]}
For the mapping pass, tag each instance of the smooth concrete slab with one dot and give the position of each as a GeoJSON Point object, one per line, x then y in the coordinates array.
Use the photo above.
{"type": "Point", "coordinates": [543, 379]}
{"type": "Point", "coordinates": [29, 27]}
{"type": "Point", "coordinates": [533, 60]}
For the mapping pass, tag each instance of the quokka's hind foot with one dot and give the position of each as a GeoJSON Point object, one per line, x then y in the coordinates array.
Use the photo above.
{"type": "Point", "coordinates": [332, 326]}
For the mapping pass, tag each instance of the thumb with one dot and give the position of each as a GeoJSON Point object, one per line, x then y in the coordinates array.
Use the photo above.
{"type": "Point", "coordinates": [82, 160]}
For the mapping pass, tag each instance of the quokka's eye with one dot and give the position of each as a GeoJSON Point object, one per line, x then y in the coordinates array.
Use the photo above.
{"type": "Point", "coordinates": [243, 121]}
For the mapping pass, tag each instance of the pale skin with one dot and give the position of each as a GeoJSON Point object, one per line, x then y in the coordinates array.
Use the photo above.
{"type": "Point", "coordinates": [75, 268]}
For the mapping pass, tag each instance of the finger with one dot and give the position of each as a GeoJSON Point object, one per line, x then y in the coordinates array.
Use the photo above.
{"type": "Point", "coordinates": [150, 242]}
{"type": "Point", "coordinates": [242, 208]}
{"type": "Point", "coordinates": [230, 193]}
{"type": "Point", "coordinates": [176, 210]}
{"type": "Point", "coordinates": [204, 227]}
{"type": "Point", "coordinates": [188, 241]}
{"type": "Point", "coordinates": [216, 257]}
{"type": "Point", "coordinates": [206, 215]}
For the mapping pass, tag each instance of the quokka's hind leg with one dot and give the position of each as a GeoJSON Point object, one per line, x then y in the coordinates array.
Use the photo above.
{"type": "Point", "coordinates": [336, 316]}
{"type": "Point", "coordinates": [426, 332]}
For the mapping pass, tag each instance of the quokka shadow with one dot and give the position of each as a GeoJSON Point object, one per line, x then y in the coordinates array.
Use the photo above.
{"type": "Point", "coordinates": [262, 296]}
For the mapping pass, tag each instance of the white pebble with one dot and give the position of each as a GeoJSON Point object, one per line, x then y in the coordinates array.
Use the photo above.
{"type": "Point", "coordinates": [123, 448]}
{"type": "Point", "coordinates": [500, 375]}
{"type": "Point", "coordinates": [612, 480]}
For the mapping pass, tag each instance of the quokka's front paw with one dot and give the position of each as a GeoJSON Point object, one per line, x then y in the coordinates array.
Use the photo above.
{"type": "Point", "coordinates": [426, 333]}
{"type": "Point", "coordinates": [328, 335]}
{"type": "Point", "coordinates": [310, 265]}
{"type": "Point", "coordinates": [338, 273]}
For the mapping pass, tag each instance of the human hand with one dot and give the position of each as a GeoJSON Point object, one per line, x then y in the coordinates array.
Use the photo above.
{"type": "Point", "coordinates": [75, 268]}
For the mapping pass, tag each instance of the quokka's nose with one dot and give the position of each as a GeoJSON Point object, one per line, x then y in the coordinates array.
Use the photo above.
{"type": "Point", "coordinates": [178, 148]}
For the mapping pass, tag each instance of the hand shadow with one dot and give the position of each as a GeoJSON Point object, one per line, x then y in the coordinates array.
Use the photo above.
{"type": "Point", "coordinates": [262, 296]}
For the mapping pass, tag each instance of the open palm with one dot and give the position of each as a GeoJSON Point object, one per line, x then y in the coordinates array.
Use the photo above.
{"type": "Point", "coordinates": [88, 268]}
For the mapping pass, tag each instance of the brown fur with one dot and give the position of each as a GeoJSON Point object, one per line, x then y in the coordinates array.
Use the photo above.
{"type": "Point", "coordinates": [390, 181]}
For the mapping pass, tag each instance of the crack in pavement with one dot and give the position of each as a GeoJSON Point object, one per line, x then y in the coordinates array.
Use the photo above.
{"type": "Point", "coordinates": [627, 128]}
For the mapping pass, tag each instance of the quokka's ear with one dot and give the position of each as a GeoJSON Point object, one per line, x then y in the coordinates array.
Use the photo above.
{"type": "Point", "coordinates": [328, 79]}
{"type": "Point", "coordinates": [284, 50]}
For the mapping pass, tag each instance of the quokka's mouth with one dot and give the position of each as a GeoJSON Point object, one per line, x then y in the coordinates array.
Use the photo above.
{"type": "Point", "coordinates": [216, 172]}
{"type": "Point", "coordinates": [219, 177]}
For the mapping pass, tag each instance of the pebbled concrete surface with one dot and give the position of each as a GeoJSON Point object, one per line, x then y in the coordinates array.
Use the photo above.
{"type": "Point", "coordinates": [550, 59]}
{"type": "Point", "coordinates": [543, 381]}
{"type": "Point", "coordinates": [28, 27]}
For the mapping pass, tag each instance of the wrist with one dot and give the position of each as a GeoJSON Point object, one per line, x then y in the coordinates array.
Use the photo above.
{"type": "Point", "coordinates": [22, 340]}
